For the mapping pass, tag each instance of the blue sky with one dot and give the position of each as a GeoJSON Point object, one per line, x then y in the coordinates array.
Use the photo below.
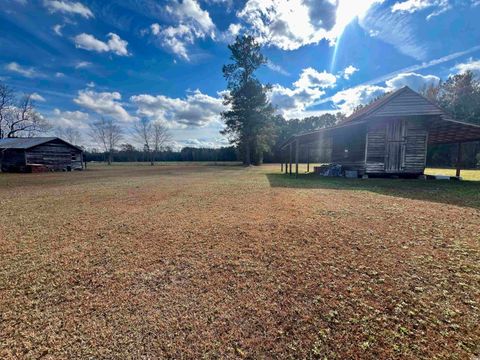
{"type": "Point", "coordinates": [162, 59]}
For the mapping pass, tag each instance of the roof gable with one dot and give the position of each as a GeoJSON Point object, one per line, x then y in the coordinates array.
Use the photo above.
{"type": "Point", "coordinates": [403, 102]}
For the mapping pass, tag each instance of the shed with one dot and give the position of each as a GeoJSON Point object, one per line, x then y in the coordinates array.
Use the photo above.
{"type": "Point", "coordinates": [39, 153]}
{"type": "Point", "coordinates": [389, 136]}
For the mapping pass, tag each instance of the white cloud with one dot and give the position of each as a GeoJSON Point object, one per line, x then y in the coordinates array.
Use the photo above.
{"type": "Point", "coordinates": [277, 68]}
{"type": "Point", "coordinates": [196, 110]}
{"type": "Point", "coordinates": [311, 78]}
{"type": "Point", "coordinates": [69, 119]}
{"type": "Point", "coordinates": [397, 29]}
{"type": "Point", "coordinates": [29, 72]}
{"type": "Point", "coordinates": [103, 103]}
{"type": "Point", "coordinates": [91, 84]}
{"type": "Point", "coordinates": [82, 64]}
{"type": "Point", "coordinates": [470, 65]}
{"type": "Point", "coordinates": [68, 7]}
{"type": "Point", "coordinates": [211, 143]}
{"type": "Point", "coordinates": [411, 6]}
{"type": "Point", "coordinates": [347, 100]}
{"type": "Point", "coordinates": [415, 81]}
{"type": "Point", "coordinates": [191, 23]}
{"type": "Point", "coordinates": [290, 24]}
{"type": "Point", "coordinates": [349, 71]}
{"type": "Point", "coordinates": [58, 29]}
{"type": "Point", "coordinates": [37, 97]}
{"type": "Point", "coordinates": [59, 75]}
{"type": "Point", "coordinates": [114, 44]}
{"type": "Point", "coordinates": [308, 89]}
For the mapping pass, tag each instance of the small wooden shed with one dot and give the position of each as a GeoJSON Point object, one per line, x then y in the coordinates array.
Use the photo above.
{"type": "Point", "coordinates": [39, 154]}
{"type": "Point", "coordinates": [389, 136]}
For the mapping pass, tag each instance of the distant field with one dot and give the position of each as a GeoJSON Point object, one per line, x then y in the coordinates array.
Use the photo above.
{"type": "Point", "coordinates": [196, 261]}
{"type": "Point", "coordinates": [473, 175]}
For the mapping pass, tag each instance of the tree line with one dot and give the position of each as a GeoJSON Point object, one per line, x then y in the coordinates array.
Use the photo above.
{"type": "Point", "coordinates": [128, 153]}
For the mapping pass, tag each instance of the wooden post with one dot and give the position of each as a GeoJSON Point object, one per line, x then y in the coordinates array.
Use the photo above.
{"type": "Point", "coordinates": [308, 159]}
{"type": "Point", "coordinates": [286, 162]}
{"type": "Point", "coordinates": [459, 159]}
{"type": "Point", "coordinates": [290, 159]}
{"type": "Point", "coordinates": [281, 167]}
{"type": "Point", "coordinates": [296, 157]}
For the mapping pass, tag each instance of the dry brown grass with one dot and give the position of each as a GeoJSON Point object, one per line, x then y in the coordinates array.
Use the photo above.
{"type": "Point", "coordinates": [215, 262]}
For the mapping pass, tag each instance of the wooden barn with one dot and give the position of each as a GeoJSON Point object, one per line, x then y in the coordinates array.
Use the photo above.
{"type": "Point", "coordinates": [389, 136]}
{"type": "Point", "coordinates": [39, 154]}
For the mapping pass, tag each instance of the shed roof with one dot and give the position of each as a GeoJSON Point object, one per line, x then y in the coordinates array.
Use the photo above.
{"type": "Point", "coordinates": [28, 143]}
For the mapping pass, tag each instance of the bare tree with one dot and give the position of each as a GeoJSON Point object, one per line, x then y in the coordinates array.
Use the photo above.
{"type": "Point", "coordinates": [154, 136]}
{"type": "Point", "coordinates": [107, 134]}
{"type": "Point", "coordinates": [19, 118]}
{"type": "Point", "coordinates": [70, 134]}
{"type": "Point", "coordinates": [7, 97]}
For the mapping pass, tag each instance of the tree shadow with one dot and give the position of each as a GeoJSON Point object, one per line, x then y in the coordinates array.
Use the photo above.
{"type": "Point", "coordinates": [460, 193]}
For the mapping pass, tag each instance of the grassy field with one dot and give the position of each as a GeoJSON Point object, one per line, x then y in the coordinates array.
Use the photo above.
{"type": "Point", "coordinates": [223, 261]}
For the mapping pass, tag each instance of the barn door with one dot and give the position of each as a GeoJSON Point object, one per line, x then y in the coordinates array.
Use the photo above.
{"type": "Point", "coordinates": [395, 146]}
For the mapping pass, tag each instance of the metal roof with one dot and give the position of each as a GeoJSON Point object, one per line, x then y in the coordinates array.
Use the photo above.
{"type": "Point", "coordinates": [27, 143]}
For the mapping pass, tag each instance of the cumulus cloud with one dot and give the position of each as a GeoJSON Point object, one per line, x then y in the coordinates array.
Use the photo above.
{"type": "Point", "coordinates": [304, 92]}
{"type": "Point", "coordinates": [290, 24]}
{"type": "Point", "coordinates": [347, 100]}
{"type": "Point", "coordinates": [103, 103]}
{"type": "Point", "coordinates": [68, 7]}
{"type": "Point", "coordinates": [415, 81]}
{"type": "Point", "coordinates": [114, 44]}
{"type": "Point", "coordinates": [196, 110]}
{"type": "Point", "coordinates": [349, 71]}
{"type": "Point", "coordinates": [29, 72]}
{"type": "Point", "coordinates": [191, 23]}
{"type": "Point", "coordinates": [69, 119]}
{"type": "Point", "coordinates": [37, 97]}
{"type": "Point", "coordinates": [470, 65]}
{"type": "Point", "coordinates": [211, 143]}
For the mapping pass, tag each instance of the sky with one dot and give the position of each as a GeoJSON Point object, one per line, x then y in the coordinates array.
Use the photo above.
{"type": "Point", "coordinates": [162, 60]}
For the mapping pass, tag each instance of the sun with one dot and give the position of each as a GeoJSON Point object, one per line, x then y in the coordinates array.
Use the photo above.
{"type": "Point", "coordinates": [347, 11]}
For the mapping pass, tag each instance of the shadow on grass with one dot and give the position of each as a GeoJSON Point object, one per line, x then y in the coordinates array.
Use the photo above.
{"type": "Point", "coordinates": [460, 193]}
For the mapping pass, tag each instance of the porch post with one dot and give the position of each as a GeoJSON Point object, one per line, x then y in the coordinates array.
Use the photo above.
{"type": "Point", "coordinates": [281, 166]}
{"type": "Point", "coordinates": [286, 162]}
{"type": "Point", "coordinates": [459, 159]}
{"type": "Point", "coordinates": [296, 157]}
{"type": "Point", "coordinates": [290, 159]}
{"type": "Point", "coordinates": [308, 159]}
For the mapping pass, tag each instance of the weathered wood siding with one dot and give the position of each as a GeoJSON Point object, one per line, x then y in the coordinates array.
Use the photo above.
{"type": "Point", "coordinates": [376, 145]}
{"type": "Point", "coordinates": [416, 146]}
{"type": "Point", "coordinates": [412, 149]}
{"type": "Point", "coordinates": [55, 155]}
{"type": "Point", "coordinates": [408, 103]}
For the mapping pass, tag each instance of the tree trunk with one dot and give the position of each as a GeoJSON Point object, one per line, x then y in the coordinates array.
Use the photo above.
{"type": "Point", "coordinates": [247, 158]}
{"type": "Point", "coordinates": [110, 157]}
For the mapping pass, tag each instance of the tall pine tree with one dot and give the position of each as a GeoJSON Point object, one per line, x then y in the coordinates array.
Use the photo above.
{"type": "Point", "coordinates": [248, 121]}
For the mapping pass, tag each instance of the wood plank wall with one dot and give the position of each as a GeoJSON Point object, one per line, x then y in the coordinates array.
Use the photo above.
{"type": "Point", "coordinates": [55, 155]}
